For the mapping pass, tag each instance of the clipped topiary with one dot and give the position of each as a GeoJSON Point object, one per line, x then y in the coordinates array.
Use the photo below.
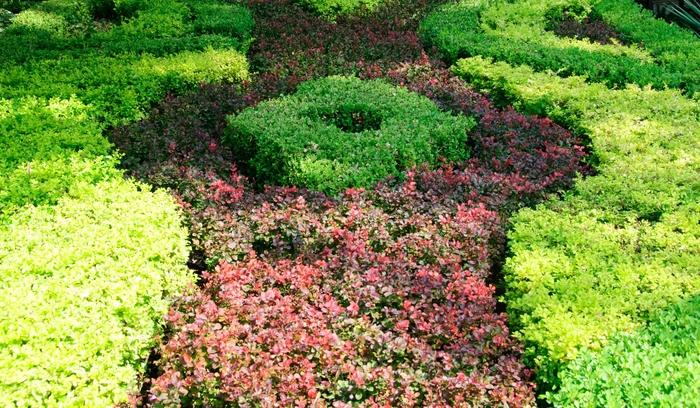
{"type": "Point", "coordinates": [341, 132]}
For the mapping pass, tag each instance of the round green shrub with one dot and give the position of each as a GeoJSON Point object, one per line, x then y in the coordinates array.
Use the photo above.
{"type": "Point", "coordinates": [341, 132]}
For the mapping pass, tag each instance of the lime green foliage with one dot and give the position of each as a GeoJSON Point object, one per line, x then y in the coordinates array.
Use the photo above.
{"type": "Point", "coordinates": [341, 132]}
{"type": "Point", "coordinates": [45, 128]}
{"type": "Point", "coordinates": [121, 89]}
{"type": "Point", "coordinates": [334, 8]}
{"type": "Point", "coordinates": [81, 287]}
{"type": "Point", "coordinates": [217, 18]}
{"type": "Point", "coordinates": [162, 28]}
{"type": "Point", "coordinates": [120, 86]}
{"type": "Point", "coordinates": [89, 261]}
{"type": "Point", "coordinates": [658, 366]}
{"type": "Point", "coordinates": [624, 242]}
{"type": "Point", "coordinates": [516, 32]}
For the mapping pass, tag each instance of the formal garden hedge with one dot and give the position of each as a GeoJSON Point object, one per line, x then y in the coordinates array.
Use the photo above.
{"type": "Point", "coordinates": [651, 52]}
{"type": "Point", "coordinates": [89, 260]}
{"type": "Point", "coordinates": [624, 243]}
{"type": "Point", "coordinates": [341, 132]}
{"type": "Point", "coordinates": [348, 206]}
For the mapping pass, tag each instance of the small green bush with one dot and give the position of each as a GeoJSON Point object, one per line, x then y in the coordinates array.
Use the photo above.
{"type": "Point", "coordinates": [226, 19]}
{"type": "Point", "coordinates": [341, 132]}
{"type": "Point", "coordinates": [622, 244]}
{"type": "Point", "coordinates": [657, 366]}
{"type": "Point", "coordinates": [334, 8]}
{"type": "Point", "coordinates": [516, 32]}
{"type": "Point", "coordinates": [83, 287]}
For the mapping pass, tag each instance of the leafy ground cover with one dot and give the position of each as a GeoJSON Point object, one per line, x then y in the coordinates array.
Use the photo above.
{"type": "Point", "coordinates": [89, 261]}
{"type": "Point", "coordinates": [381, 294]}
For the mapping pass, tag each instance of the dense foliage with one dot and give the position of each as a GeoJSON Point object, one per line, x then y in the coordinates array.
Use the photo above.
{"type": "Point", "coordinates": [657, 366]}
{"type": "Point", "coordinates": [84, 284]}
{"type": "Point", "coordinates": [88, 261]}
{"type": "Point", "coordinates": [371, 276]}
{"type": "Point", "coordinates": [341, 132]}
{"type": "Point", "coordinates": [334, 8]}
{"type": "Point", "coordinates": [391, 232]}
{"type": "Point", "coordinates": [349, 303]}
{"type": "Point", "coordinates": [625, 242]}
{"type": "Point", "coordinates": [446, 224]}
{"type": "Point", "coordinates": [520, 32]}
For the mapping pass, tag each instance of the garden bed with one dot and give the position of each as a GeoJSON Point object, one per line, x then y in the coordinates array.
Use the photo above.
{"type": "Point", "coordinates": [348, 204]}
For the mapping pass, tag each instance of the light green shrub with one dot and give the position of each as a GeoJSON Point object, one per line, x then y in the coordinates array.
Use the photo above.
{"type": "Point", "coordinates": [83, 286]}
{"type": "Point", "coordinates": [341, 132]}
{"type": "Point", "coordinates": [334, 8]}
{"type": "Point", "coordinates": [657, 366]}
{"type": "Point", "coordinates": [121, 89]}
{"type": "Point", "coordinates": [516, 32]}
{"type": "Point", "coordinates": [626, 241]}
{"type": "Point", "coordinates": [89, 261]}
{"type": "Point", "coordinates": [44, 182]}
{"type": "Point", "coordinates": [36, 128]}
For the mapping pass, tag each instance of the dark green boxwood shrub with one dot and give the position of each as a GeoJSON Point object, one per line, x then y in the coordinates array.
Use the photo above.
{"type": "Point", "coordinates": [341, 132]}
{"type": "Point", "coordinates": [657, 366]}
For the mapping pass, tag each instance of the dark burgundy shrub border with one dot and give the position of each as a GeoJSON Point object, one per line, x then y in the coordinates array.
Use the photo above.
{"type": "Point", "coordinates": [382, 297]}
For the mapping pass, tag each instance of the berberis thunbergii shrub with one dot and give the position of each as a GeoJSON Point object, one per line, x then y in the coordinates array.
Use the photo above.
{"type": "Point", "coordinates": [341, 132]}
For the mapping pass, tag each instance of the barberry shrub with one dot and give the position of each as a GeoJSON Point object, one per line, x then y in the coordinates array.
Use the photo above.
{"type": "Point", "coordinates": [341, 132]}
{"type": "Point", "coordinates": [347, 302]}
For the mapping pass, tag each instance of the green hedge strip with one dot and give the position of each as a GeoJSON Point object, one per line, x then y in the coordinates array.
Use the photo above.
{"type": "Point", "coordinates": [658, 366]}
{"type": "Point", "coordinates": [622, 244]}
{"type": "Point", "coordinates": [516, 32]}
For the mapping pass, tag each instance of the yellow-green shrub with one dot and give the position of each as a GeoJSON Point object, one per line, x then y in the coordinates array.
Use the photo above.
{"type": "Point", "coordinates": [657, 366]}
{"type": "Point", "coordinates": [517, 32]}
{"type": "Point", "coordinates": [626, 241]}
{"type": "Point", "coordinates": [82, 287]}
{"type": "Point", "coordinates": [88, 261]}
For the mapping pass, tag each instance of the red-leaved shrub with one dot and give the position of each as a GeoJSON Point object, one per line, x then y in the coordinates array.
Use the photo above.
{"type": "Point", "coordinates": [348, 303]}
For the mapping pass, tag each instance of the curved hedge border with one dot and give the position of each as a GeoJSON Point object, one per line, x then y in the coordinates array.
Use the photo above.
{"type": "Point", "coordinates": [516, 32]}
{"type": "Point", "coordinates": [89, 261]}
{"type": "Point", "coordinates": [625, 242]}
{"type": "Point", "coordinates": [341, 132]}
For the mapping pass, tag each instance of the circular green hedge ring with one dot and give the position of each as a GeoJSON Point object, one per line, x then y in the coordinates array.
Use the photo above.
{"type": "Point", "coordinates": [341, 132]}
